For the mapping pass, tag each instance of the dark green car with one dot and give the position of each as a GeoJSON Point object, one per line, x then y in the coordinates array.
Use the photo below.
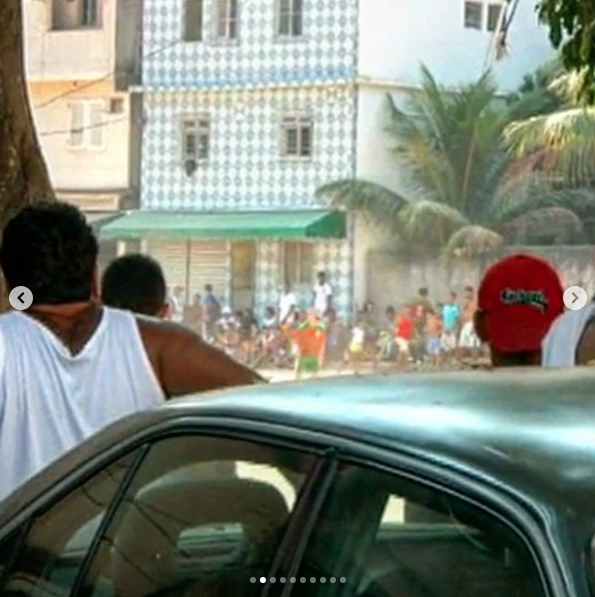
{"type": "Point", "coordinates": [445, 485]}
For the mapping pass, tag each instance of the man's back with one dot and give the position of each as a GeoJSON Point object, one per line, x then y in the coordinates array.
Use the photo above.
{"type": "Point", "coordinates": [51, 400]}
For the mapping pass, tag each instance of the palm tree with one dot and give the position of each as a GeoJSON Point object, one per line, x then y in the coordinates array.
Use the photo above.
{"type": "Point", "coordinates": [465, 194]}
{"type": "Point", "coordinates": [560, 142]}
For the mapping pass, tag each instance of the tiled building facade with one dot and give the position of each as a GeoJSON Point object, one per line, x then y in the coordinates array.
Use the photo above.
{"type": "Point", "coordinates": [252, 115]}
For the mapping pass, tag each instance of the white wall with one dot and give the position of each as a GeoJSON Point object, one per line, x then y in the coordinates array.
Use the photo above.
{"type": "Point", "coordinates": [78, 54]}
{"type": "Point", "coordinates": [397, 36]}
{"type": "Point", "coordinates": [106, 168]}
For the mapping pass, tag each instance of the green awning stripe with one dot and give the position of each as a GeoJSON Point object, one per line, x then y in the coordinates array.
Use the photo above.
{"type": "Point", "coordinates": [227, 226]}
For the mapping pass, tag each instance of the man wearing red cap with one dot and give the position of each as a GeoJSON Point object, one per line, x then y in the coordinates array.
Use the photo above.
{"type": "Point", "coordinates": [519, 298]}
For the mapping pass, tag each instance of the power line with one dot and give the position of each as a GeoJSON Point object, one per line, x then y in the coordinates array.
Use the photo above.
{"type": "Point", "coordinates": [80, 129]}
{"type": "Point", "coordinates": [108, 75]}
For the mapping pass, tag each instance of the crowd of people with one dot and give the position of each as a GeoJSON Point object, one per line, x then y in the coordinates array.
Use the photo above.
{"type": "Point", "coordinates": [419, 332]}
{"type": "Point", "coordinates": [87, 353]}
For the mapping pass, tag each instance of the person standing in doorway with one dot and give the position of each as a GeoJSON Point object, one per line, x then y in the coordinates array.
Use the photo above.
{"type": "Point", "coordinates": [322, 295]}
{"type": "Point", "coordinates": [211, 314]}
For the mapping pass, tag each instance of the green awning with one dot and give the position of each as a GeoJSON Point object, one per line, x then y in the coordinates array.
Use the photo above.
{"type": "Point", "coordinates": [226, 226]}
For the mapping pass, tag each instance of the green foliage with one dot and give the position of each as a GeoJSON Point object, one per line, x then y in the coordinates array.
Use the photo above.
{"type": "Point", "coordinates": [572, 30]}
{"type": "Point", "coordinates": [468, 193]}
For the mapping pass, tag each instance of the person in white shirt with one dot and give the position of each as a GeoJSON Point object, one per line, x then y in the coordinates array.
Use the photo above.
{"type": "Point", "coordinates": [69, 366]}
{"type": "Point", "coordinates": [322, 295]}
{"type": "Point", "coordinates": [177, 305]}
{"type": "Point", "coordinates": [287, 304]}
{"type": "Point", "coordinates": [571, 339]}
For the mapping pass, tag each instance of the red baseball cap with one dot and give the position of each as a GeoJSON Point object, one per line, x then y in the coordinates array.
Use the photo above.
{"type": "Point", "coordinates": [521, 296]}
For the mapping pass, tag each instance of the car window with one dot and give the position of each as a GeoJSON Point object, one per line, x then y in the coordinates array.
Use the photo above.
{"type": "Point", "coordinates": [203, 516]}
{"type": "Point", "coordinates": [54, 549]}
{"type": "Point", "coordinates": [402, 539]}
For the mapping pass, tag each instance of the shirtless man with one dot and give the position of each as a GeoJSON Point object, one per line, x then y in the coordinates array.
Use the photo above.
{"type": "Point", "coordinates": [434, 332]}
{"type": "Point", "coordinates": [69, 366]}
{"type": "Point", "coordinates": [469, 342]}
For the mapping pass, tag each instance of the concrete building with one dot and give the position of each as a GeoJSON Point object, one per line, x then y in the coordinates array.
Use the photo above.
{"type": "Point", "coordinates": [250, 106]}
{"type": "Point", "coordinates": [81, 58]}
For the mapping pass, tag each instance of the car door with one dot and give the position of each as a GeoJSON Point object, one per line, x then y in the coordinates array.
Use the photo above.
{"type": "Point", "coordinates": [187, 514]}
{"type": "Point", "coordinates": [388, 534]}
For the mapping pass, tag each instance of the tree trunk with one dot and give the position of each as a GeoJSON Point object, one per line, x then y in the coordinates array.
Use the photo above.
{"type": "Point", "coordinates": [24, 177]}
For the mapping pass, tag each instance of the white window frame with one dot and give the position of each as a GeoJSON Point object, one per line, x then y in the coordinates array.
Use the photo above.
{"type": "Point", "coordinates": [88, 127]}
{"type": "Point", "coordinates": [202, 125]}
{"type": "Point", "coordinates": [486, 6]}
{"type": "Point", "coordinates": [489, 7]}
{"type": "Point", "coordinates": [292, 11]}
{"type": "Point", "coordinates": [297, 122]}
{"type": "Point", "coordinates": [482, 16]}
{"type": "Point", "coordinates": [224, 18]}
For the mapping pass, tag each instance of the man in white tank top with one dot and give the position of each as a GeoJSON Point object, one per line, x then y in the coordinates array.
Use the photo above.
{"type": "Point", "coordinates": [571, 339]}
{"type": "Point", "coordinates": [68, 366]}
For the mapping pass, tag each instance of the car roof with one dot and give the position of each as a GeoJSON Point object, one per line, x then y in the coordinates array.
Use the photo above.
{"type": "Point", "coordinates": [531, 429]}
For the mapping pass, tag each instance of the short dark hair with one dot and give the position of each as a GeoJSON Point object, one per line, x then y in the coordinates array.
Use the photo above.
{"type": "Point", "coordinates": [469, 289]}
{"type": "Point", "coordinates": [134, 283]}
{"type": "Point", "coordinates": [209, 288]}
{"type": "Point", "coordinates": [423, 291]}
{"type": "Point", "coordinates": [50, 248]}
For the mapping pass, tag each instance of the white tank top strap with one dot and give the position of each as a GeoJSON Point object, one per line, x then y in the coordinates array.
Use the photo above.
{"type": "Point", "coordinates": [51, 400]}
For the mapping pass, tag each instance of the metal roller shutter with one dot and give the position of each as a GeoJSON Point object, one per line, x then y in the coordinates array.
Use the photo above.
{"type": "Point", "coordinates": [208, 264]}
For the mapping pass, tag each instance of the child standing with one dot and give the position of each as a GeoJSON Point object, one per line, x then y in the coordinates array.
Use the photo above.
{"type": "Point", "coordinates": [434, 330]}
{"type": "Point", "coordinates": [404, 332]}
{"type": "Point", "coordinates": [310, 342]}
{"type": "Point", "coordinates": [356, 350]}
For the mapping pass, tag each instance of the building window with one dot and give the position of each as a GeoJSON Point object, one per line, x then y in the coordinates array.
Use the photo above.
{"type": "Point", "coordinates": [474, 15]}
{"type": "Point", "coordinates": [296, 137]}
{"type": "Point", "coordinates": [298, 263]}
{"type": "Point", "coordinates": [290, 18]}
{"type": "Point", "coordinates": [193, 15]}
{"type": "Point", "coordinates": [89, 13]}
{"type": "Point", "coordinates": [195, 142]}
{"type": "Point", "coordinates": [227, 19]}
{"type": "Point", "coordinates": [75, 14]}
{"type": "Point", "coordinates": [86, 124]}
{"type": "Point", "coordinates": [494, 14]}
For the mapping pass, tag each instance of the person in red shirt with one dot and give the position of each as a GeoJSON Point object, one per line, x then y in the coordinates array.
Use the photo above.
{"type": "Point", "coordinates": [404, 331]}
{"type": "Point", "coordinates": [310, 339]}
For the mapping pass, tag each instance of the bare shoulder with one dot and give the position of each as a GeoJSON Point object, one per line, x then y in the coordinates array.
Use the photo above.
{"type": "Point", "coordinates": [186, 364]}
{"type": "Point", "coordinates": [156, 330]}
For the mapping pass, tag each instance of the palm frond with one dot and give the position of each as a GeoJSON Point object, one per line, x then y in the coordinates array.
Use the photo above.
{"type": "Point", "coordinates": [566, 140]}
{"type": "Point", "coordinates": [380, 204]}
{"type": "Point", "coordinates": [545, 226]}
{"type": "Point", "coordinates": [579, 201]}
{"type": "Point", "coordinates": [473, 240]}
{"type": "Point", "coordinates": [448, 142]}
{"type": "Point", "coordinates": [429, 224]}
{"type": "Point", "coordinates": [568, 85]}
